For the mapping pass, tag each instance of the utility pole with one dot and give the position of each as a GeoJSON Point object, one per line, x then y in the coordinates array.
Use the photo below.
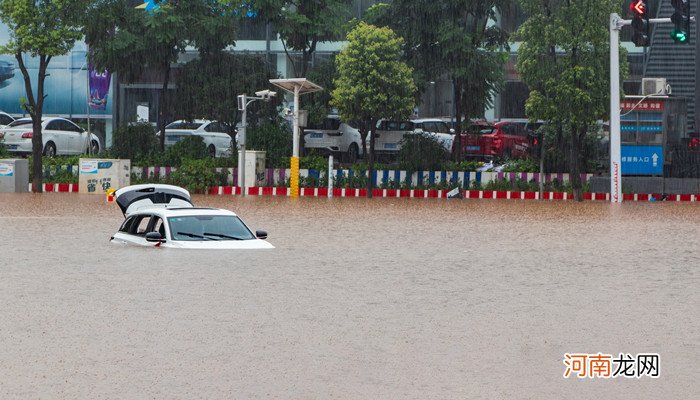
{"type": "Point", "coordinates": [696, 116]}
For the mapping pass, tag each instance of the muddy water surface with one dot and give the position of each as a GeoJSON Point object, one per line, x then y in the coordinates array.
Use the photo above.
{"type": "Point", "coordinates": [381, 299]}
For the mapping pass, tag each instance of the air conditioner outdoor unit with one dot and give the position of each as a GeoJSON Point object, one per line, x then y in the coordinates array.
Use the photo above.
{"type": "Point", "coordinates": [655, 86]}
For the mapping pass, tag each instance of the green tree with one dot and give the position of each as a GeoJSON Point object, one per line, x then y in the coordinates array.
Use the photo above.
{"type": "Point", "coordinates": [40, 29]}
{"type": "Point", "coordinates": [208, 87]}
{"type": "Point", "coordinates": [130, 41]}
{"type": "Point", "coordinates": [564, 60]}
{"type": "Point", "coordinates": [373, 83]}
{"type": "Point", "coordinates": [302, 24]}
{"type": "Point", "coordinates": [454, 38]}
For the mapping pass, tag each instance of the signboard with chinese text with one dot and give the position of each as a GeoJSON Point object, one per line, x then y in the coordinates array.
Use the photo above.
{"type": "Point", "coordinates": [642, 160]}
{"type": "Point", "coordinates": [647, 105]}
{"type": "Point", "coordinates": [98, 176]}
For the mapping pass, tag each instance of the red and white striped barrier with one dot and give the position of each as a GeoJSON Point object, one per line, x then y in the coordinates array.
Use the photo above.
{"type": "Point", "coordinates": [57, 187]}
{"type": "Point", "coordinates": [441, 194]}
{"type": "Point", "coordinates": [411, 193]}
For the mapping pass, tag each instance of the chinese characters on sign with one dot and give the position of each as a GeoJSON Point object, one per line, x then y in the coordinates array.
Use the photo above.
{"type": "Point", "coordinates": [105, 183]}
{"type": "Point", "coordinates": [608, 366]}
{"type": "Point", "coordinates": [645, 105]}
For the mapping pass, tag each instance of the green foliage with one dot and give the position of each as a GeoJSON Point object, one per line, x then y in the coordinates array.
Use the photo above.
{"type": "Point", "coordinates": [134, 141]}
{"type": "Point", "coordinates": [3, 151]}
{"type": "Point", "coordinates": [208, 88]}
{"type": "Point", "coordinates": [462, 166]}
{"type": "Point", "coordinates": [273, 137]}
{"type": "Point", "coordinates": [190, 148]}
{"type": "Point", "coordinates": [314, 162]}
{"type": "Point", "coordinates": [47, 28]}
{"type": "Point", "coordinates": [129, 41]}
{"type": "Point", "coordinates": [62, 176]}
{"type": "Point", "coordinates": [302, 24]}
{"type": "Point", "coordinates": [421, 152]}
{"type": "Point", "coordinates": [457, 39]}
{"type": "Point", "coordinates": [196, 176]}
{"type": "Point", "coordinates": [521, 165]}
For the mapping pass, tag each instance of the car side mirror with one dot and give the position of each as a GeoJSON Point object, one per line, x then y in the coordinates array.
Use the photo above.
{"type": "Point", "coordinates": [452, 131]}
{"type": "Point", "coordinates": [154, 237]}
{"type": "Point", "coordinates": [261, 234]}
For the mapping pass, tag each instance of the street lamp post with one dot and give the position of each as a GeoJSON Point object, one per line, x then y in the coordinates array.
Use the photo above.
{"type": "Point", "coordinates": [296, 86]}
{"type": "Point", "coordinates": [243, 102]}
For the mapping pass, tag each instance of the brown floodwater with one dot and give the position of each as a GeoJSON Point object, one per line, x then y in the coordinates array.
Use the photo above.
{"type": "Point", "coordinates": [381, 299]}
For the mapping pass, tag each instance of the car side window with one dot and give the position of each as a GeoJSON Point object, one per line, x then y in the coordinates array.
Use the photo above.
{"type": "Point", "coordinates": [5, 119]}
{"type": "Point", "coordinates": [158, 226]}
{"type": "Point", "coordinates": [54, 125]}
{"type": "Point", "coordinates": [140, 225]}
{"type": "Point", "coordinates": [126, 225]}
{"type": "Point", "coordinates": [69, 126]}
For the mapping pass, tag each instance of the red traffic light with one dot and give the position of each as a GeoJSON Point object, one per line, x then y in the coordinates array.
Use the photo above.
{"type": "Point", "coordinates": [638, 7]}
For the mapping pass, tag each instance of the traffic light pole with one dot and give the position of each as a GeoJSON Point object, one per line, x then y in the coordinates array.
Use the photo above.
{"type": "Point", "coordinates": [616, 23]}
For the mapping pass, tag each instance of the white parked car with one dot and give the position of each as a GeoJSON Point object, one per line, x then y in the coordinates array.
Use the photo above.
{"type": "Point", "coordinates": [389, 135]}
{"type": "Point", "coordinates": [213, 134]}
{"type": "Point", "coordinates": [164, 216]}
{"type": "Point", "coordinates": [59, 136]}
{"type": "Point", "coordinates": [436, 128]}
{"type": "Point", "coordinates": [332, 136]}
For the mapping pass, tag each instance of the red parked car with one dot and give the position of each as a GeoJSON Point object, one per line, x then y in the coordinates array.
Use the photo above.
{"type": "Point", "coordinates": [505, 139]}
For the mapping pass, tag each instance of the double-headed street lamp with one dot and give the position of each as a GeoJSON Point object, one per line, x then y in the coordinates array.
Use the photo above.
{"type": "Point", "coordinates": [243, 101]}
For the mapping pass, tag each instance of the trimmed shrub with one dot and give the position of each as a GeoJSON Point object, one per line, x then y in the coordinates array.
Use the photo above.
{"type": "Point", "coordinates": [134, 141]}
{"type": "Point", "coordinates": [421, 152]}
{"type": "Point", "coordinates": [275, 139]}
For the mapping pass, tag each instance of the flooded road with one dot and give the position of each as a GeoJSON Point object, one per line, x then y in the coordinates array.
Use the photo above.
{"type": "Point", "coordinates": [382, 299]}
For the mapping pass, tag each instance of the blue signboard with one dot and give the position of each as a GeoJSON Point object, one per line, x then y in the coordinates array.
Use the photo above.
{"type": "Point", "coordinates": [642, 160]}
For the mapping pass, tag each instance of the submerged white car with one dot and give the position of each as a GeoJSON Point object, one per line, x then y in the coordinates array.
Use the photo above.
{"type": "Point", "coordinates": [164, 216]}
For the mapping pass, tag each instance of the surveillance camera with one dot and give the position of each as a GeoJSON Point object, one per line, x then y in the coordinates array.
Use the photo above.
{"type": "Point", "coordinates": [266, 94]}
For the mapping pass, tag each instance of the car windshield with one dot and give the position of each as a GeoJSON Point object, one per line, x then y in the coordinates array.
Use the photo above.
{"type": "Point", "coordinates": [208, 227]}
{"type": "Point", "coordinates": [20, 122]}
{"type": "Point", "coordinates": [184, 125]}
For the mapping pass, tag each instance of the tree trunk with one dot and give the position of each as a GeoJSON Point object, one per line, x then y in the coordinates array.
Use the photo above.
{"type": "Point", "coordinates": [457, 143]}
{"type": "Point", "coordinates": [575, 164]}
{"type": "Point", "coordinates": [370, 164]}
{"type": "Point", "coordinates": [163, 107]}
{"type": "Point", "coordinates": [35, 107]}
{"type": "Point", "coordinates": [363, 140]}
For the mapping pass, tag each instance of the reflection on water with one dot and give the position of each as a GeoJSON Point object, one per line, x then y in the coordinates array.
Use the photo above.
{"type": "Point", "coordinates": [390, 298]}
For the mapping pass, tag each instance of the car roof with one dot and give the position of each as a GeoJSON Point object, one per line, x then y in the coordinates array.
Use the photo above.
{"type": "Point", "coordinates": [43, 119]}
{"type": "Point", "coordinates": [167, 212]}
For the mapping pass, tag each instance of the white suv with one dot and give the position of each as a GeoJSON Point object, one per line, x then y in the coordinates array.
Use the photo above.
{"type": "Point", "coordinates": [333, 136]}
